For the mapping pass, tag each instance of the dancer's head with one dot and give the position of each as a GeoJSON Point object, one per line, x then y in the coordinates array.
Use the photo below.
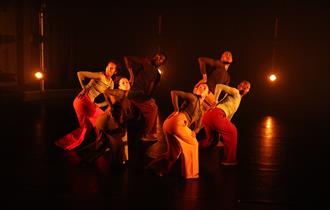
{"type": "Point", "coordinates": [201, 89]}
{"type": "Point", "coordinates": [111, 68]}
{"type": "Point", "coordinates": [226, 59]}
{"type": "Point", "coordinates": [244, 87]}
{"type": "Point", "coordinates": [122, 83]}
{"type": "Point", "coordinates": [159, 59]}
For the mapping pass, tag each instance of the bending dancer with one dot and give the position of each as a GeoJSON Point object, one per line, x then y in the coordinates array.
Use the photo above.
{"type": "Point", "coordinates": [146, 77]}
{"type": "Point", "coordinates": [86, 110]}
{"type": "Point", "coordinates": [180, 139]}
{"type": "Point", "coordinates": [112, 124]}
{"type": "Point", "coordinates": [218, 75]}
{"type": "Point", "coordinates": [217, 119]}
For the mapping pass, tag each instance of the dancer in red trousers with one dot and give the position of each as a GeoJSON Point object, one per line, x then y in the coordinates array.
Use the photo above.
{"type": "Point", "coordinates": [86, 110]}
{"type": "Point", "coordinates": [217, 119]}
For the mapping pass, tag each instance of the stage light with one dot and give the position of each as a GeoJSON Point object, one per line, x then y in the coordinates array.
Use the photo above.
{"type": "Point", "coordinates": [272, 77]}
{"type": "Point", "coordinates": [159, 71]}
{"type": "Point", "coordinates": [39, 75]}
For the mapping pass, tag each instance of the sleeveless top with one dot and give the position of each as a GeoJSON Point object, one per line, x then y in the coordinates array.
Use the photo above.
{"type": "Point", "coordinates": [97, 86]}
{"type": "Point", "coordinates": [192, 110]}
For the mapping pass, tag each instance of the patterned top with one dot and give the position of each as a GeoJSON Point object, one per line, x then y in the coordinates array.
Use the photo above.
{"type": "Point", "coordinates": [97, 86]}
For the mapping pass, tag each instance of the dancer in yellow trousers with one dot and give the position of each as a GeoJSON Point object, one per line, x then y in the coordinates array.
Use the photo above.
{"type": "Point", "coordinates": [180, 138]}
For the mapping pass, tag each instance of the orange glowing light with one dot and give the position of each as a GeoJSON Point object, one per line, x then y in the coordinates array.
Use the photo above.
{"type": "Point", "coordinates": [39, 75]}
{"type": "Point", "coordinates": [160, 71]}
{"type": "Point", "coordinates": [272, 77]}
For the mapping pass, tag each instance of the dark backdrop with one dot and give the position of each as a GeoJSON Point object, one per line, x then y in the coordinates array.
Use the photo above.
{"type": "Point", "coordinates": [84, 35]}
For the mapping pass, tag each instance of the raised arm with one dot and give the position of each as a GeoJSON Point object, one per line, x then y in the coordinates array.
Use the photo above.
{"type": "Point", "coordinates": [131, 76]}
{"type": "Point", "coordinates": [203, 61]}
{"type": "Point", "coordinates": [82, 75]}
{"type": "Point", "coordinates": [130, 60]}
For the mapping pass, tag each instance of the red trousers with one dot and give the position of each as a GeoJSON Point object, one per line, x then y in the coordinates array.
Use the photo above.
{"type": "Point", "coordinates": [215, 120]}
{"type": "Point", "coordinates": [86, 112]}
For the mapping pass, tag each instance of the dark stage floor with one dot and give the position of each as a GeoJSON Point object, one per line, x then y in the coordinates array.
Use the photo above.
{"type": "Point", "coordinates": [283, 164]}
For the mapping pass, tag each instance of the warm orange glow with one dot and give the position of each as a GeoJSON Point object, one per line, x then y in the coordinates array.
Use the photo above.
{"type": "Point", "coordinates": [272, 77]}
{"type": "Point", "coordinates": [269, 134]}
{"type": "Point", "coordinates": [160, 71]}
{"type": "Point", "coordinates": [39, 75]}
{"type": "Point", "coordinates": [268, 130]}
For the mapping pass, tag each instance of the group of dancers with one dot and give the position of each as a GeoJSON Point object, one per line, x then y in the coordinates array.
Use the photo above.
{"type": "Point", "coordinates": [210, 106]}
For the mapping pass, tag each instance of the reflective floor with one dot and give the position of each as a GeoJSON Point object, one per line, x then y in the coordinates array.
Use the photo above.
{"type": "Point", "coordinates": [283, 164]}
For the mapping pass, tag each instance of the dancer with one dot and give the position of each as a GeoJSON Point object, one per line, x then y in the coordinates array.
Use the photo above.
{"type": "Point", "coordinates": [218, 75]}
{"type": "Point", "coordinates": [180, 139]}
{"type": "Point", "coordinates": [146, 77]}
{"type": "Point", "coordinates": [86, 110]}
{"type": "Point", "coordinates": [217, 119]}
{"type": "Point", "coordinates": [112, 124]}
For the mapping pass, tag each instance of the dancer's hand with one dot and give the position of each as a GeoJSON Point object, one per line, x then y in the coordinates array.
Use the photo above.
{"type": "Point", "coordinates": [204, 80]}
{"type": "Point", "coordinates": [83, 92]}
{"type": "Point", "coordinates": [173, 114]}
{"type": "Point", "coordinates": [108, 110]}
{"type": "Point", "coordinates": [193, 134]}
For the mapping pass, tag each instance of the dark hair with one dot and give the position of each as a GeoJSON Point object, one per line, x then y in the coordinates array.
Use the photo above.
{"type": "Point", "coordinates": [115, 62]}
{"type": "Point", "coordinates": [116, 81]}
